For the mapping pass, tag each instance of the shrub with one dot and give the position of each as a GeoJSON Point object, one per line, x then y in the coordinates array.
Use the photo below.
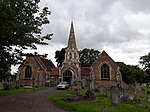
{"type": "Point", "coordinates": [6, 86]}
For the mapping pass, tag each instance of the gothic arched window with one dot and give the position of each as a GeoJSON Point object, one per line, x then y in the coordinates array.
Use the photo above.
{"type": "Point", "coordinates": [105, 75]}
{"type": "Point", "coordinates": [28, 72]}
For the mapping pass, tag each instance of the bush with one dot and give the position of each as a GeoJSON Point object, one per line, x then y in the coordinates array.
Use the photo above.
{"type": "Point", "coordinates": [16, 87]}
{"type": "Point", "coordinates": [7, 86]}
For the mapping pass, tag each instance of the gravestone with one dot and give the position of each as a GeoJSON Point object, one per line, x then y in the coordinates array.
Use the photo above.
{"type": "Point", "coordinates": [101, 89]}
{"type": "Point", "coordinates": [121, 94]}
{"type": "Point", "coordinates": [123, 98]}
{"type": "Point", "coordinates": [84, 84]}
{"type": "Point", "coordinates": [148, 92]}
{"type": "Point", "coordinates": [90, 95]}
{"type": "Point", "coordinates": [148, 88]}
{"type": "Point", "coordinates": [106, 91]}
{"type": "Point", "coordinates": [148, 99]}
{"type": "Point", "coordinates": [112, 87]}
{"type": "Point", "coordinates": [137, 87]}
{"type": "Point", "coordinates": [1, 84]}
{"type": "Point", "coordinates": [115, 99]}
{"type": "Point", "coordinates": [92, 85]}
{"type": "Point", "coordinates": [131, 93]}
{"type": "Point", "coordinates": [138, 90]}
{"type": "Point", "coordinates": [121, 91]}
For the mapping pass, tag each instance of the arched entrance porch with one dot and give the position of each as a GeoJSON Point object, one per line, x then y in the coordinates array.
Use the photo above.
{"type": "Point", "coordinates": [68, 76]}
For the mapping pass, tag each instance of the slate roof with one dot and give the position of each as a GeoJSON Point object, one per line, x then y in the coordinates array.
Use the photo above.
{"type": "Point", "coordinates": [47, 63]}
{"type": "Point", "coordinates": [42, 61]}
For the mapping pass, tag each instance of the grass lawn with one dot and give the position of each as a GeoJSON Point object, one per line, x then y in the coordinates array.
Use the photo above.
{"type": "Point", "coordinates": [102, 103]}
{"type": "Point", "coordinates": [14, 91]}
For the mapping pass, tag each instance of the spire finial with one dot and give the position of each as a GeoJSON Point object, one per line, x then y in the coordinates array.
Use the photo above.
{"type": "Point", "coordinates": [72, 41]}
{"type": "Point", "coordinates": [72, 22]}
{"type": "Point", "coordinates": [72, 19]}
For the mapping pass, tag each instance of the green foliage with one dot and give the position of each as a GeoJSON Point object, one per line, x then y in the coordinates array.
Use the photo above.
{"type": "Point", "coordinates": [88, 56]}
{"type": "Point", "coordinates": [101, 104]}
{"type": "Point", "coordinates": [20, 28]}
{"type": "Point", "coordinates": [131, 74]}
{"type": "Point", "coordinates": [145, 62]}
{"type": "Point", "coordinates": [60, 56]}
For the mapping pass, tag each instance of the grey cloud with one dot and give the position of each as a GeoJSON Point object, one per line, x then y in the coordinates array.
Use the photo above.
{"type": "Point", "coordinates": [99, 23]}
{"type": "Point", "coordinates": [137, 5]}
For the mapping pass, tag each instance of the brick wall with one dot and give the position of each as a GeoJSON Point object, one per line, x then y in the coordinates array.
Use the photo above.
{"type": "Point", "coordinates": [104, 58]}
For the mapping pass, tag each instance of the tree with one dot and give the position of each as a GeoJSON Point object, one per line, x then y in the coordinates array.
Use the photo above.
{"type": "Point", "coordinates": [88, 56]}
{"type": "Point", "coordinates": [131, 73]}
{"type": "Point", "coordinates": [20, 28]}
{"type": "Point", "coordinates": [59, 56]}
{"type": "Point", "coordinates": [145, 62]}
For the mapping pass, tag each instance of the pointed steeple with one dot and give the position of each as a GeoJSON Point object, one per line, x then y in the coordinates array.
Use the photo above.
{"type": "Point", "coordinates": [71, 53]}
{"type": "Point", "coordinates": [72, 40]}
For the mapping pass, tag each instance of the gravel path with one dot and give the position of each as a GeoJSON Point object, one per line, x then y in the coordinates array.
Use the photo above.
{"type": "Point", "coordinates": [36, 101]}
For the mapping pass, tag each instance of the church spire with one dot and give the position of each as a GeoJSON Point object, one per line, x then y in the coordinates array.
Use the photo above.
{"type": "Point", "coordinates": [72, 41]}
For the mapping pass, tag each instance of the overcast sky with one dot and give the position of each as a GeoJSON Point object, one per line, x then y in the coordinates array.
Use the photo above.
{"type": "Point", "coordinates": [120, 27]}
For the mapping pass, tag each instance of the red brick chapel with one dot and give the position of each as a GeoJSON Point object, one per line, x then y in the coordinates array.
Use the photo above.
{"type": "Point", "coordinates": [37, 70]}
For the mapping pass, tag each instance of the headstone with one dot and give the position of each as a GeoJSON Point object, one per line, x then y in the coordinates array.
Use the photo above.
{"type": "Point", "coordinates": [139, 93]}
{"type": "Point", "coordinates": [96, 88]}
{"type": "Point", "coordinates": [83, 83]}
{"type": "Point", "coordinates": [138, 90]}
{"type": "Point", "coordinates": [101, 90]}
{"type": "Point", "coordinates": [137, 87]}
{"type": "Point", "coordinates": [143, 86]}
{"type": "Point", "coordinates": [89, 95]}
{"type": "Point", "coordinates": [112, 87]}
{"type": "Point", "coordinates": [148, 84]}
{"type": "Point", "coordinates": [121, 92]}
{"type": "Point", "coordinates": [106, 91]}
{"type": "Point", "coordinates": [148, 99]}
{"type": "Point", "coordinates": [1, 84]}
{"type": "Point", "coordinates": [92, 85]}
{"type": "Point", "coordinates": [115, 99]}
{"type": "Point", "coordinates": [131, 93]}
{"type": "Point", "coordinates": [148, 92]}
{"type": "Point", "coordinates": [148, 88]}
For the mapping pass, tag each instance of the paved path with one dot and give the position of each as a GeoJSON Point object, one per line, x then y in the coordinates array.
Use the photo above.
{"type": "Point", "coordinates": [36, 101]}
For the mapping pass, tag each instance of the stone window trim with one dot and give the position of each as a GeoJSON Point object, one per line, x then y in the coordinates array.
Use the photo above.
{"type": "Point", "coordinates": [110, 69]}
{"type": "Point", "coordinates": [28, 72]}
{"type": "Point", "coordinates": [105, 73]}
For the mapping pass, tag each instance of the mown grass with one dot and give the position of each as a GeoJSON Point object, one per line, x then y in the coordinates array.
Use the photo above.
{"type": "Point", "coordinates": [101, 104]}
{"type": "Point", "coordinates": [14, 91]}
